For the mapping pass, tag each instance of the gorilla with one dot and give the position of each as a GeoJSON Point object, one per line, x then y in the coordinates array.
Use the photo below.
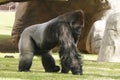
{"type": "Point", "coordinates": [63, 31]}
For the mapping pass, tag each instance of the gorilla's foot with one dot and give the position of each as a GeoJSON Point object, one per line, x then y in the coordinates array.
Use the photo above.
{"type": "Point", "coordinates": [56, 69]}
{"type": "Point", "coordinates": [78, 73]}
{"type": "Point", "coordinates": [53, 69]}
{"type": "Point", "coordinates": [77, 70]}
{"type": "Point", "coordinates": [24, 70]}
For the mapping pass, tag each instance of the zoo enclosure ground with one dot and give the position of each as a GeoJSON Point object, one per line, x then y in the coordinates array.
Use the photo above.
{"type": "Point", "coordinates": [92, 70]}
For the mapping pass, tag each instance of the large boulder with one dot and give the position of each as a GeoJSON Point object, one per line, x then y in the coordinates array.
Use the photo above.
{"type": "Point", "coordinates": [96, 33]}
{"type": "Point", "coordinates": [38, 11]}
{"type": "Point", "coordinates": [109, 50]}
{"type": "Point", "coordinates": [95, 37]}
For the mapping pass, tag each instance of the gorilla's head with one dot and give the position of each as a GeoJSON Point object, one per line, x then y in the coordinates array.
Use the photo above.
{"type": "Point", "coordinates": [75, 21]}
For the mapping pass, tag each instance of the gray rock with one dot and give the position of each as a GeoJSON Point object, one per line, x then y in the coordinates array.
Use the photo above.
{"type": "Point", "coordinates": [109, 50]}
{"type": "Point", "coordinates": [97, 31]}
{"type": "Point", "coordinates": [95, 36]}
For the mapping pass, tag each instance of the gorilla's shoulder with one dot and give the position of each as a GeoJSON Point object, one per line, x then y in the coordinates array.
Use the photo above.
{"type": "Point", "coordinates": [30, 29]}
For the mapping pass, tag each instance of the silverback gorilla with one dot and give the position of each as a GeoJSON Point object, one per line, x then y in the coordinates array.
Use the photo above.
{"type": "Point", "coordinates": [39, 39]}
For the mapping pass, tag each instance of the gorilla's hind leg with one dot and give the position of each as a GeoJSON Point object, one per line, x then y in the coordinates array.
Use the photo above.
{"type": "Point", "coordinates": [49, 63]}
{"type": "Point", "coordinates": [25, 61]}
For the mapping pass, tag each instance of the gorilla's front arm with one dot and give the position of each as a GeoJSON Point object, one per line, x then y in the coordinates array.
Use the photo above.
{"type": "Point", "coordinates": [39, 39]}
{"type": "Point", "coordinates": [70, 59]}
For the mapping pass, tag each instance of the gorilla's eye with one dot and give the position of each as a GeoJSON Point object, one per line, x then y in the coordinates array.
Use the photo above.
{"type": "Point", "coordinates": [73, 23]}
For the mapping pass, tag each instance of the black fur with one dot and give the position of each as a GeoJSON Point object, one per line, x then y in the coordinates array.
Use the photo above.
{"type": "Point", "coordinates": [39, 39]}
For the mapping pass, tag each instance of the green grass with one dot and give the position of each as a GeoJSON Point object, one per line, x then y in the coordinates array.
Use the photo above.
{"type": "Point", "coordinates": [4, 37]}
{"type": "Point", "coordinates": [92, 70]}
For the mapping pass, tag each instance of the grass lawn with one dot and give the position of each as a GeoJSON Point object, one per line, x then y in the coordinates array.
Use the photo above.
{"type": "Point", "coordinates": [92, 70]}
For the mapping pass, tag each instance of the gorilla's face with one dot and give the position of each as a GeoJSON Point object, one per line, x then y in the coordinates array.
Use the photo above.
{"type": "Point", "coordinates": [76, 22]}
